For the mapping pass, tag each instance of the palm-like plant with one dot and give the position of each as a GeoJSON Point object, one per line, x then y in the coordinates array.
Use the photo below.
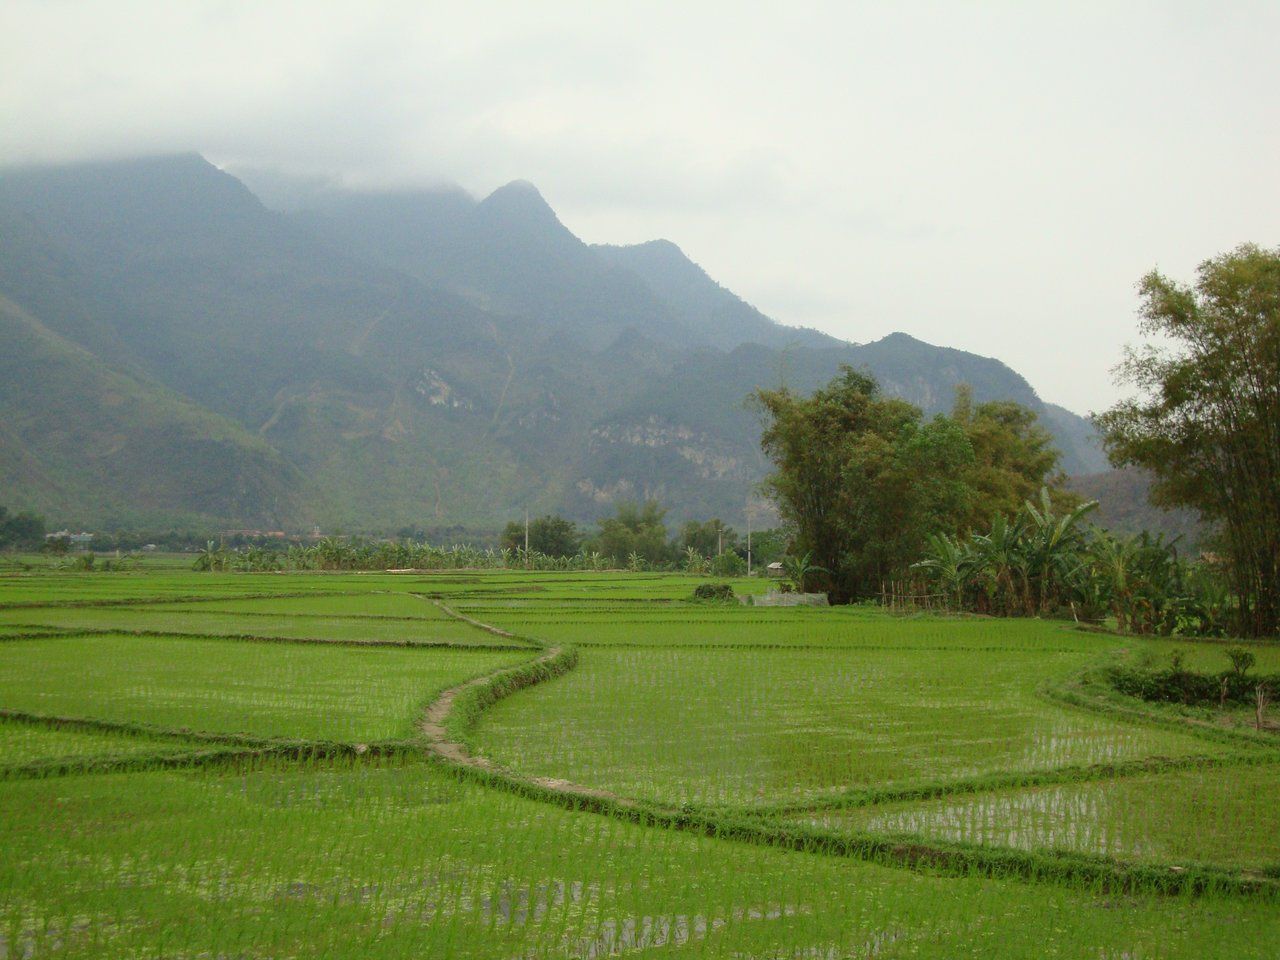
{"type": "Point", "coordinates": [799, 570]}
{"type": "Point", "coordinates": [694, 562]}
{"type": "Point", "coordinates": [999, 557]}
{"type": "Point", "coordinates": [1050, 551]}
{"type": "Point", "coordinates": [211, 558]}
{"type": "Point", "coordinates": [952, 563]}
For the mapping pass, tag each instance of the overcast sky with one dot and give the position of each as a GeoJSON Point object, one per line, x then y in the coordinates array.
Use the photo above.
{"type": "Point", "coordinates": [987, 176]}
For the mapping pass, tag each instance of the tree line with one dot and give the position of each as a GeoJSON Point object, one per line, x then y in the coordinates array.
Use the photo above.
{"type": "Point", "coordinates": [636, 536]}
{"type": "Point", "coordinates": [863, 479]}
{"type": "Point", "coordinates": [871, 490]}
{"type": "Point", "coordinates": [708, 547]}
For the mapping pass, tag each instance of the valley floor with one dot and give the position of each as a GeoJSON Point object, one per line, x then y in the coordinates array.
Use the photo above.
{"type": "Point", "coordinates": [524, 765]}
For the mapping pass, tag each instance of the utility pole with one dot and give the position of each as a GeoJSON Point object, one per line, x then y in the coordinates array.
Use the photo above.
{"type": "Point", "coordinates": [748, 538]}
{"type": "Point", "coordinates": [526, 537]}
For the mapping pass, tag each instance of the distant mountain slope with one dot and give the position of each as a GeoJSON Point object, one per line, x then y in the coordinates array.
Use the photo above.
{"type": "Point", "coordinates": [1078, 439]}
{"type": "Point", "coordinates": [691, 429]}
{"type": "Point", "coordinates": [509, 254]}
{"type": "Point", "coordinates": [375, 361]}
{"type": "Point", "coordinates": [724, 318]}
{"type": "Point", "coordinates": [80, 441]}
{"type": "Point", "coordinates": [1124, 506]}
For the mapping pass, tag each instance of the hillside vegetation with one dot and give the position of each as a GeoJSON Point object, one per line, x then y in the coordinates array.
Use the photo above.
{"type": "Point", "coordinates": [374, 361]}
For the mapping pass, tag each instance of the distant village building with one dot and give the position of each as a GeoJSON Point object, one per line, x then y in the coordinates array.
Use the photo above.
{"type": "Point", "coordinates": [80, 539]}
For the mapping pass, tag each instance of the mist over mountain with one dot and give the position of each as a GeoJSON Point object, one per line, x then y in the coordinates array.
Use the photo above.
{"type": "Point", "coordinates": [175, 349]}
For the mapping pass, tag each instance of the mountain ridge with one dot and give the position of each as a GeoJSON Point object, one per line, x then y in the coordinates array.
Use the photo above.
{"type": "Point", "coordinates": [421, 356]}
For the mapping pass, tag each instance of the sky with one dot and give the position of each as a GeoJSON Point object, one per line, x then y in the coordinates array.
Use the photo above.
{"type": "Point", "coordinates": [989, 176]}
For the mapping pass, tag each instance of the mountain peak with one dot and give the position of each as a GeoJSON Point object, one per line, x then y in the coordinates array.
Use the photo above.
{"type": "Point", "coordinates": [519, 208]}
{"type": "Point", "coordinates": [519, 197]}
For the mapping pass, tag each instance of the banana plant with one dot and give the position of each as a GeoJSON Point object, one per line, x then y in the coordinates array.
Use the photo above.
{"type": "Point", "coordinates": [800, 569]}
{"type": "Point", "coordinates": [952, 563]}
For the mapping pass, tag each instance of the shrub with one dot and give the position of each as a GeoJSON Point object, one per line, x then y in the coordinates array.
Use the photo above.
{"type": "Point", "coordinates": [1241, 660]}
{"type": "Point", "coordinates": [719, 592]}
{"type": "Point", "coordinates": [728, 564]}
{"type": "Point", "coordinates": [1176, 685]}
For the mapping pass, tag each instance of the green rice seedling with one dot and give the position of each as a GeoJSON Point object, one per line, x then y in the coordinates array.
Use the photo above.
{"type": "Point", "coordinates": [1225, 816]}
{"type": "Point", "coordinates": [193, 619]}
{"type": "Point", "coordinates": [755, 726]}
{"type": "Point", "coordinates": [385, 861]}
{"type": "Point", "coordinates": [342, 605]}
{"type": "Point", "coordinates": [260, 690]}
{"type": "Point", "coordinates": [26, 744]}
{"type": "Point", "coordinates": [694, 626]}
{"type": "Point", "coordinates": [743, 713]}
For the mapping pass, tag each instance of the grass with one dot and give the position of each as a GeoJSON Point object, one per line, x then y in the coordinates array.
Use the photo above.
{"type": "Point", "coordinates": [859, 785]}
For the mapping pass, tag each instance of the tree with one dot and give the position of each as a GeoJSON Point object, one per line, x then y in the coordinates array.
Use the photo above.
{"type": "Point", "coordinates": [20, 530]}
{"type": "Point", "coordinates": [709, 538]}
{"type": "Point", "coordinates": [553, 536]}
{"type": "Point", "coordinates": [1207, 423]}
{"type": "Point", "coordinates": [635, 533]}
{"type": "Point", "coordinates": [861, 479]}
{"type": "Point", "coordinates": [1013, 456]}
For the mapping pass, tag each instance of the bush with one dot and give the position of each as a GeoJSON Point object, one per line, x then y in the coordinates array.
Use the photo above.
{"type": "Point", "coordinates": [729, 564]}
{"type": "Point", "coordinates": [1241, 660]}
{"type": "Point", "coordinates": [1175, 685]}
{"type": "Point", "coordinates": [718, 592]}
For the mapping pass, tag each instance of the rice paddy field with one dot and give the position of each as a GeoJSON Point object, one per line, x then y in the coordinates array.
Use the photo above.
{"type": "Point", "coordinates": [504, 764]}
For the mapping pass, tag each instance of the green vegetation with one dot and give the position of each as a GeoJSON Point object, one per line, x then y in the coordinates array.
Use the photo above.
{"type": "Point", "coordinates": [655, 773]}
{"type": "Point", "coordinates": [1178, 684]}
{"type": "Point", "coordinates": [1044, 562]}
{"type": "Point", "coordinates": [635, 535]}
{"type": "Point", "coordinates": [863, 480]}
{"type": "Point", "coordinates": [1208, 425]}
{"type": "Point", "coordinates": [389, 861]}
{"type": "Point", "coordinates": [747, 726]}
{"type": "Point", "coordinates": [20, 531]}
{"type": "Point", "coordinates": [550, 536]}
{"type": "Point", "coordinates": [25, 743]}
{"type": "Point", "coordinates": [263, 690]}
{"type": "Point", "coordinates": [1196, 815]}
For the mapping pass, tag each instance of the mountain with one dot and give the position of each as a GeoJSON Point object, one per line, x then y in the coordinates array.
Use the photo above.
{"type": "Point", "coordinates": [722, 318]}
{"type": "Point", "coordinates": [371, 361]}
{"type": "Point", "coordinates": [1124, 506]}
{"type": "Point", "coordinates": [508, 254]}
{"type": "Point", "coordinates": [89, 442]}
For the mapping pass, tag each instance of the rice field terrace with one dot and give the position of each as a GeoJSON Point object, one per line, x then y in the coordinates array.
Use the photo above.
{"type": "Point", "coordinates": [504, 764]}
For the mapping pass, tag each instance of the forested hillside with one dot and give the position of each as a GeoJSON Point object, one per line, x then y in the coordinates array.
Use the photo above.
{"type": "Point", "coordinates": [372, 361]}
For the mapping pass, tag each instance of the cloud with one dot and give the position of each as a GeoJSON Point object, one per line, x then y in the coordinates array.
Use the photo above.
{"type": "Point", "coordinates": [993, 178]}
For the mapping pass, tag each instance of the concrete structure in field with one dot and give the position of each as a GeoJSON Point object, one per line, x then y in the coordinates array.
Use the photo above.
{"type": "Point", "coordinates": [776, 599]}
